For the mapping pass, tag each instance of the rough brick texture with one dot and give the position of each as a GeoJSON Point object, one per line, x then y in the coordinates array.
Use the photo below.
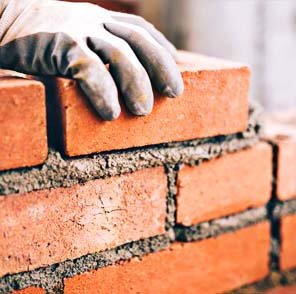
{"type": "Point", "coordinates": [226, 185]}
{"type": "Point", "coordinates": [286, 173]}
{"type": "Point", "coordinates": [48, 226]}
{"type": "Point", "coordinates": [210, 266]}
{"type": "Point", "coordinates": [288, 242]}
{"type": "Point", "coordinates": [31, 290]}
{"type": "Point", "coordinates": [215, 102]}
{"type": "Point", "coordinates": [23, 139]}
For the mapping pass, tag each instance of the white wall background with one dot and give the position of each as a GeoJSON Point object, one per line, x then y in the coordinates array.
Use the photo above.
{"type": "Point", "coordinates": [261, 33]}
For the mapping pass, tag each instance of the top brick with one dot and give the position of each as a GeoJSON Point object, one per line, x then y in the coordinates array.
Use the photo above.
{"type": "Point", "coordinates": [215, 102]}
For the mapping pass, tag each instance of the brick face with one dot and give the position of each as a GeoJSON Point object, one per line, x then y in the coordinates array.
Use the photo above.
{"type": "Point", "coordinates": [23, 139]}
{"type": "Point", "coordinates": [31, 290]}
{"type": "Point", "coordinates": [226, 185]}
{"type": "Point", "coordinates": [203, 110]}
{"type": "Point", "coordinates": [286, 173]}
{"type": "Point", "coordinates": [210, 266]}
{"type": "Point", "coordinates": [288, 242]}
{"type": "Point", "coordinates": [49, 226]}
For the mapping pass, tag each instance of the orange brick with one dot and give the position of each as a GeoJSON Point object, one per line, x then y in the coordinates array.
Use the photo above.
{"type": "Point", "coordinates": [31, 290]}
{"type": "Point", "coordinates": [288, 242]}
{"type": "Point", "coordinates": [286, 173]}
{"type": "Point", "coordinates": [49, 226]}
{"type": "Point", "coordinates": [215, 102]}
{"type": "Point", "coordinates": [23, 139]}
{"type": "Point", "coordinates": [283, 290]}
{"type": "Point", "coordinates": [210, 266]}
{"type": "Point", "coordinates": [226, 185]}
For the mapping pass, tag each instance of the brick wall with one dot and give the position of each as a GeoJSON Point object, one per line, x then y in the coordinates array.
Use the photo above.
{"type": "Point", "coordinates": [195, 203]}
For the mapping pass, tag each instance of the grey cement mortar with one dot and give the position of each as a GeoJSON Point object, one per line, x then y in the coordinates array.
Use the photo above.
{"type": "Point", "coordinates": [64, 172]}
{"type": "Point", "coordinates": [172, 171]}
{"type": "Point", "coordinates": [219, 226]}
{"type": "Point", "coordinates": [51, 277]}
{"type": "Point", "coordinates": [284, 208]}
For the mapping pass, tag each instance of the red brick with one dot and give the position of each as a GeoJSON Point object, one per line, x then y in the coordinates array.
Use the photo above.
{"type": "Point", "coordinates": [286, 173]}
{"type": "Point", "coordinates": [49, 226]}
{"type": "Point", "coordinates": [215, 102]}
{"type": "Point", "coordinates": [288, 242]}
{"type": "Point", "coordinates": [31, 290]}
{"type": "Point", "coordinates": [210, 266]}
{"type": "Point", "coordinates": [23, 139]}
{"type": "Point", "coordinates": [226, 185]}
{"type": "Point", "coordinates": [283, 290]}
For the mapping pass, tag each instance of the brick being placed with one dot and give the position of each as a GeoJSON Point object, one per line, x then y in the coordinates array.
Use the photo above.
{"type": "Point", "coordinates": [23, 138]}
{"type": "Point", "coordinates": [215, 102]}
{"type": "Point", "coordinates": [226, 185]}
{"type": "Point", "coordinates": [49, 226]}
{"type": "Point", "coordinates": [213, 265]}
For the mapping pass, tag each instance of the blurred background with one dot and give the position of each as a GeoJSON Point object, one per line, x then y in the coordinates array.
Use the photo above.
{"type": "Point", "coordinates": [261, 33]}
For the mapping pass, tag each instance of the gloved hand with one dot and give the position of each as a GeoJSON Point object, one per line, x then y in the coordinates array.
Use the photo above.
{"type": "Point", "coordinates": [75, 40]}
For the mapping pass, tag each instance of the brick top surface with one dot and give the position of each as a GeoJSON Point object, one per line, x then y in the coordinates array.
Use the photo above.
{"type": "Point", "coordinates": [189, 61]}
{"type": "Point", "coordinates": [16, 81]}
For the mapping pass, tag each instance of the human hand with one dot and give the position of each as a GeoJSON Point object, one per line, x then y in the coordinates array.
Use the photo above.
{"type": "Point", "coordinates": [76, 40]}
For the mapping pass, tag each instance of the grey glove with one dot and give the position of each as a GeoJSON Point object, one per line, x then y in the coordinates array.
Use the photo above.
{"type": "Point", "coordinates": [76, 40]}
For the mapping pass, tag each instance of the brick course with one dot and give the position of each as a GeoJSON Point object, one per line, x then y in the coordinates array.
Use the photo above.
{"type": "Point", "coordinates": [23, 139]}
{"type": "Point", "coordinates": [226, 185]}
{"type": "Point", "coordinates": [210, 266]}
{"type": "Point", "coordinates": [215, 102]}
{"type": "Point", "coordinates": [49, 226]}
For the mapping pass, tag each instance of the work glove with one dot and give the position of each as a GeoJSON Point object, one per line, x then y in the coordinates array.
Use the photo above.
{"type": "Point", "coordinates": [77, 40]}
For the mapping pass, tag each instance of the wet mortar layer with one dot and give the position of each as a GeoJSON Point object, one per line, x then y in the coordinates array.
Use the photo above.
{"type": "Point", "coordinates": [64, 172]}
{"type": "Point", "coordinates": [223, 225]}
{"type": "Point", "coordinates": [273, 280]}
{"type": "Point", "coordinates": [51, 277]}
